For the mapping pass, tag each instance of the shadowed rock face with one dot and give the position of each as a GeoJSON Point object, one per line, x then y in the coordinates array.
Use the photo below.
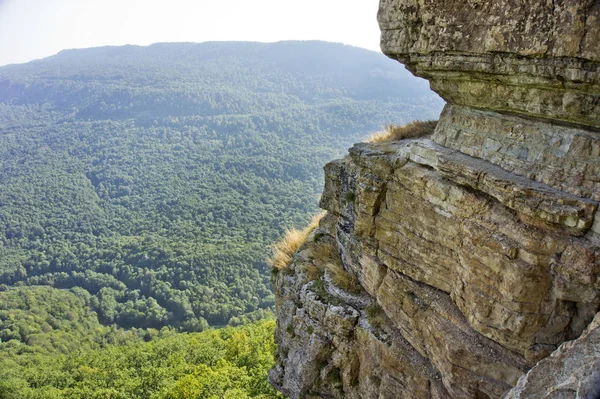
{"type": "Point", "coordinates": [476, 252]}
{"type": "Point", "coordinates": [571, 371]}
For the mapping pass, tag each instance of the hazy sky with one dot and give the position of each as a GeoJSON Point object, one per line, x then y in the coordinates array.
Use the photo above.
{"type": "Point", "coordinates": [31, 29]}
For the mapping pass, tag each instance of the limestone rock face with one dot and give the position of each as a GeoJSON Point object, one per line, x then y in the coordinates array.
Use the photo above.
{"type": "Point", "coordinates": [472, 256]}
{"type": "Point", "coordinates": [478, 274]}
{"type": "Point", "coordinates": [573, 371]}
{"type": "Point", "coordinates": [531, 57]}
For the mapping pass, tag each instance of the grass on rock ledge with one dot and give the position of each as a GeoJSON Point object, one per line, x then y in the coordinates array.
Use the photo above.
{"type": "Point", "coordinates": [293, 239]}
{"type": "Point", "coordinates": [412, 130]}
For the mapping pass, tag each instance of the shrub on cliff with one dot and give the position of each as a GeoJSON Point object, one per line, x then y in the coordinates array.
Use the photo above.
{"type": "Point", "coordinates": [411, 130]}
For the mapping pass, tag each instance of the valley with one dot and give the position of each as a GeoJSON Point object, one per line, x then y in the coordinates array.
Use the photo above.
{"type": "Point", "coordinates": [144, 187]}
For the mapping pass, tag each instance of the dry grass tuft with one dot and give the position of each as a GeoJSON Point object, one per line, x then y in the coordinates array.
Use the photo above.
{"type": "Point", "coordinates": [293, 239]}
{"type": "Point", "coordinates": [311, 271]}
{"type": "Point", "coordinates": [325, 252]}
{"type": "Point", "coordinates": [342, 279]}
{"type": "Point", "coordinates": [411, 130]}
{"type": "Point", "coordinates": [322, 251]}
{"type": "Point", "coordinates": [375, 315]}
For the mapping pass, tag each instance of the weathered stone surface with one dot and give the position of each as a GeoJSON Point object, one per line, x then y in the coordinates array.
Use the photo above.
{"type": "Point", "coordinates": [328, 348]}
{"type": "Point", "coordinates": [479, 272]}
{"type": "Point", "coordinates": [391, 368]}
{"type": "Point", "coordinates": [481, 244]}
{"type": "Point", "coordinates": [477, 251]}
{"type": "Point", "coordinates": [537, 204]}
{"type": "Point", "coordinates": [468, 363]}
{"type": "Point", "coordinates": [565, 158]}
{"type": "Point", "coordinates": [538, 58]}
{"type": "Point", "coordinates": [573, 371]}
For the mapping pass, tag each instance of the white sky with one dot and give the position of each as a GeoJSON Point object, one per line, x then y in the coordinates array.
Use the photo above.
{"type": "Point", "coordinates": [31, 29]}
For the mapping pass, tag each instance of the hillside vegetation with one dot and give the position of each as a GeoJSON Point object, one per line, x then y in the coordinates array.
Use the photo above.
{"type": "Point", "coordinates": [52, 347]}
{"type": "Point", "coordinates": [151, 181]}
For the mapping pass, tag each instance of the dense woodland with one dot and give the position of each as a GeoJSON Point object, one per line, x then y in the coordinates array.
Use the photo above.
{"type": "Point", "coordinates": [52, 346]}
{"type": "Point", "coordinates": [140, 191]}
{"type": "Point", "coordinates": [151, 181]}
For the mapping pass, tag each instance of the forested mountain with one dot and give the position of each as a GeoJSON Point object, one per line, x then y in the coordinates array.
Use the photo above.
{"type": "Point", "coordinates": [152, 180]}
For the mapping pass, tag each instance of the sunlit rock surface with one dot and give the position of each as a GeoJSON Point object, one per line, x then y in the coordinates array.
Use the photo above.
{"type": "Point", "coordinates": [474, 253]}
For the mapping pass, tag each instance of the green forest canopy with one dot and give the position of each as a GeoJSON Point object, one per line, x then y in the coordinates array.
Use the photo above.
{"type": "Point", "coordinates": [152, 180]}
{"type": "Point", "coordinates": [52, 346]}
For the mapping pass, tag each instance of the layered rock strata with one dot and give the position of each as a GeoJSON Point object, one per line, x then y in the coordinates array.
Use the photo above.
{"type": "Point", "coordinates": [571, 371]}
{"type": "Point", "coordinates": [474, 254]}
{"type": "Point", "coordinates": [530, 57]}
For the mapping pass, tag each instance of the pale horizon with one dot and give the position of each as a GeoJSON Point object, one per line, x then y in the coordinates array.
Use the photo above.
{"type": "Point", "coordinates": [34, 29]}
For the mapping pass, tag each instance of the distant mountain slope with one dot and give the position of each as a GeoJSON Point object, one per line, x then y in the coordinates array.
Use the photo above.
{"type": "Point", "coordinates": [205, 79]}
{"type": "Point", "coordinates": [156, 177]}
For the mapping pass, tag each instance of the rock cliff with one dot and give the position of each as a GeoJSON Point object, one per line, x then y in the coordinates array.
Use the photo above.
{"type": "Point", "coordinates": [457, 265]}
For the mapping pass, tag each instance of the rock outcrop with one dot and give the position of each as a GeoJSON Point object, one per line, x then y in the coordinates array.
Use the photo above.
{"type": "Point", "coordinates": [458, 265]}
{"type": "Point", "coordinates": [572, 371]}
{"type": "Point", "coordinates": [530, 57]}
